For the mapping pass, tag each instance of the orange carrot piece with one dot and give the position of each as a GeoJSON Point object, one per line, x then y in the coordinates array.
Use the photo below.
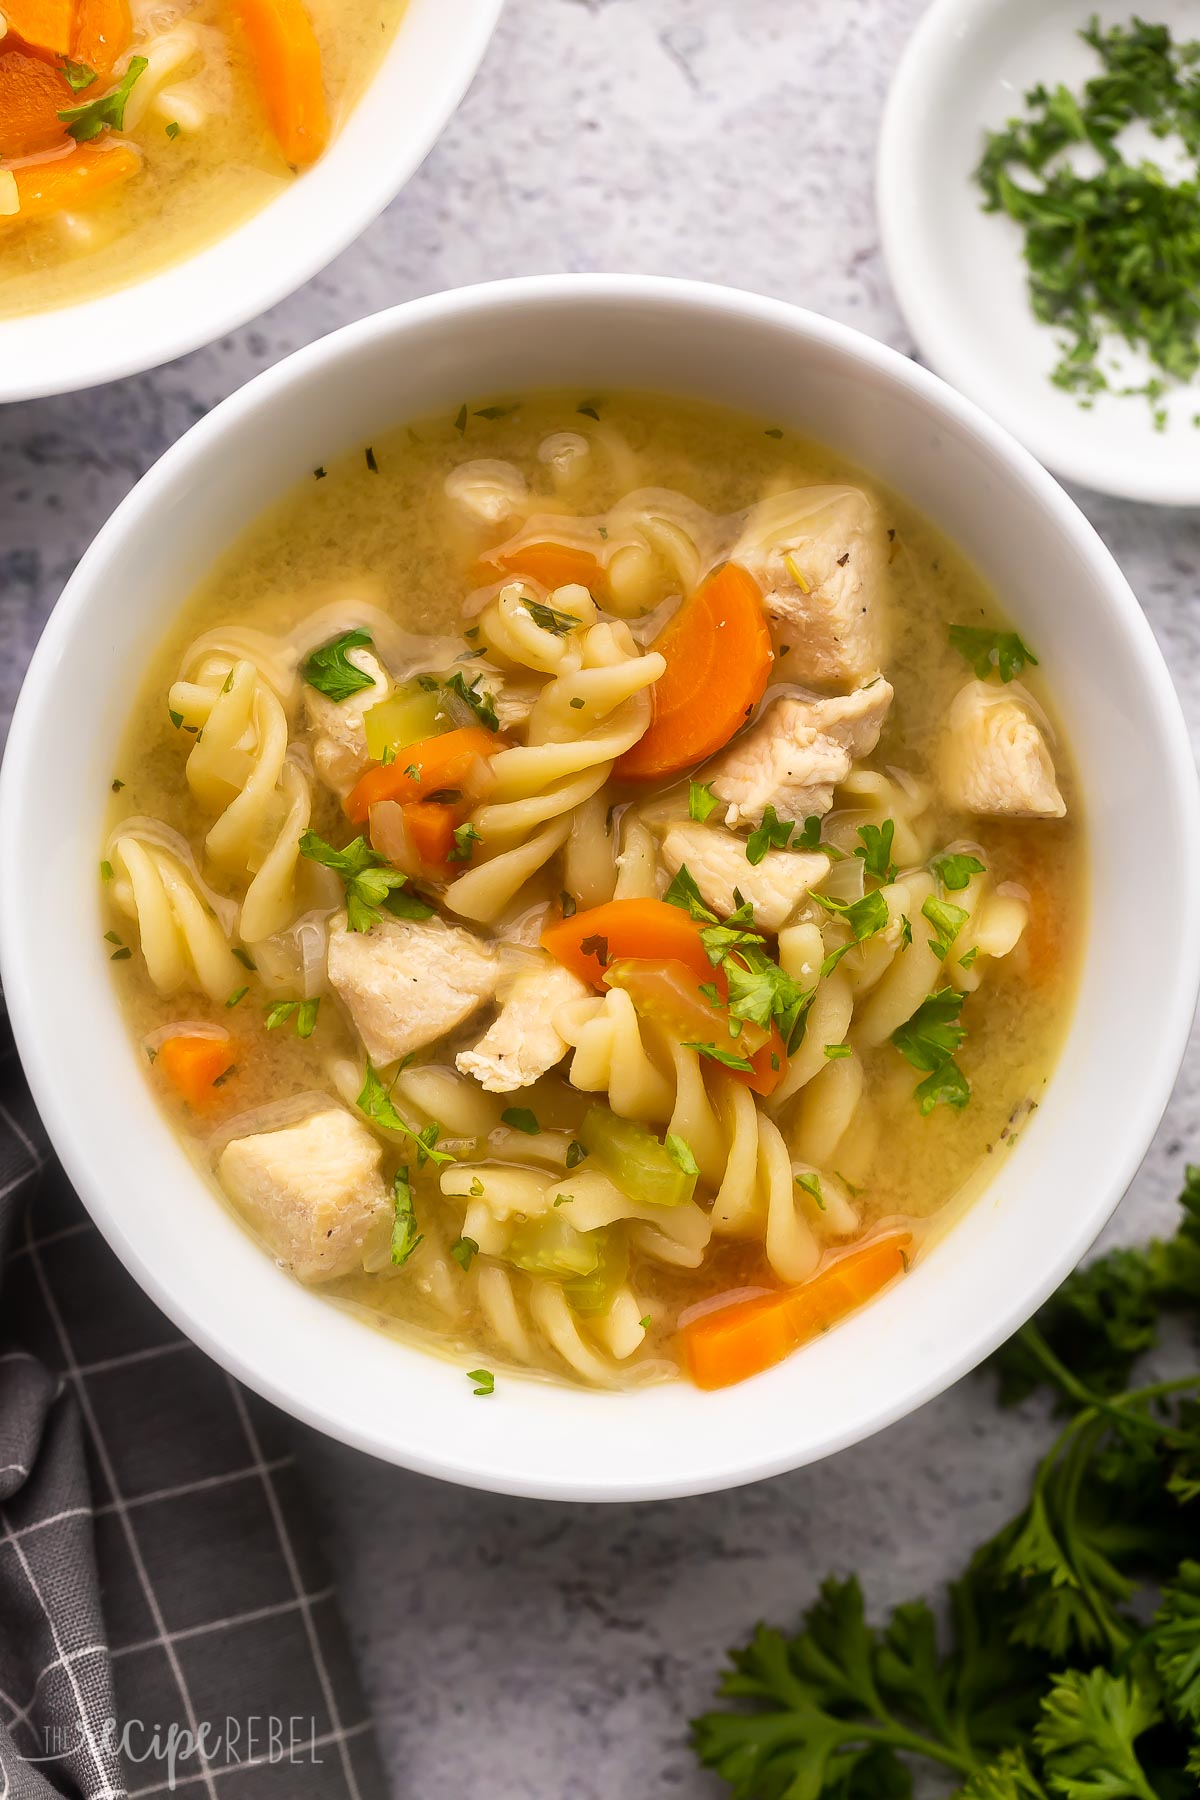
{"type": "Point", "coordinates": [430, 825]}
{"type": "Point", "coordinates": [553, 565]}
{"type": "Point", "coordinates": [42, 24]}
{"type": "Point", "coordinates": [103, 29]}
{"type": "Point", "coordinates": [737, 1341]}
{"type": "Point", "coordinates": [32, 94]}
{"type": "Point", "coordinates": [719, 655]}
{"type": "Point", "coordinates": [650, 930]}
{"type": "Point", "coordinates": [442, 762]}
{"type": "Point", "coordinates": [193, 1064]}
{"type": "Point", "coordinates": [670, 992]}
{"type": "Point", "coordinates": [69, 181]}
{"type": "Point", "coordinates": [287, 66]}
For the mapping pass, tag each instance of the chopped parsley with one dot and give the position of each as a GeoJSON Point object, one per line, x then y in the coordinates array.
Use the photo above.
{"type": "Point", "coordinates": [763, 994]}
{"type": "Point", "coordinates": [809, 837]}
{"type": "Point", "coordinates": [464, 1250]}
{"type": "Point", "coordinates": [405, 1236]}
{"type": "Point", "coordinates": [876, 850]}
{"type": "Point", "coordinates": [121, 955]}
{"type": "Point", "coordinates": [575, 1153]}
{"type": "Point", "coordinates": [811, 1183]}
{"type": "Point", "coordinates": [106, 870]}
{"type": "Point", "coordinates": [866, 918]}
{"type": "Point", "coordinates": [305, 1012]}
{"type": "Point", "coordinates": [375, 1102]}
{"type": "Point", "coordinates": [116, 784]}
{"type": "Point", "coordinates": [172, 128]}
{"type": "Point", "coordinates": [964, 962]}
{"type": "Point", "coordinates": [835, 1052]}
{"type": "Point", "coordinates": [684, 893]}
{"type": "Point", "coordinates": [465, 839]}
{"type": "Point", "coordinates": [244, 957]}
{"type": "Point", "coordinates": [112, 937]}
{"type": "Point", "coordinates": [589, 410]}
{"type": "Point", "coordinates": [568, 904]}
{"type": "Point", "coordinates": [86, 122]}
{"type": "Point", "coordinates": [176, 718]}
{"type": "Point", "coordinates": [460, 420]}
{"type": "Point", "coordinates": [77, 75]}
{"type": "Point", "coordinates": [372, 885]}
{"type": "Point", "coordinates": [954, 870]}
{"type": "Point", "coordinates": [330, 671]}
{"type": "Point", "coordinates": [485, 1381]}
{"type": "Point", "coordinates": [548, 618]}
{"type": "Point", "coordinates": [237, 996]}
{"type": "Point", "coordinates": [1003, 651]}
{"type": "Point", "coordinates": [947, 921]}
{"type": "Point", "coordinates": [680, 1152]}
{"type": "Point", "coordinates": [929, 1041]}
{"type": "Point", "coordinates": [521, 1119]}
{"type": "Point", "coordinates": [372, 463]}
{"type": "Point", "coordinates": [479, 701]}
{"type": "Point", "coordinates": [773, 834]}
{"type": "Point", "coordinates": [701, 800]}
{"type": "Point", "coordinates": [577, 703]}
{"type": "Point", "coordinates": [562, 1199]}
{"type": "Point", "coordinates": [726, 1057]}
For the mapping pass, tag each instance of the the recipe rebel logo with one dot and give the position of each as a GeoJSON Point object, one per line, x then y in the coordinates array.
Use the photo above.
{"type": "Point", "coordinates": [181, 1753]}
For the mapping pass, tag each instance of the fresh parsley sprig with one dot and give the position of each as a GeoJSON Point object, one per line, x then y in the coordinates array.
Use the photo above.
{"type": "Point", "coordinates": [330, 670]}
{"type": "Point", "coordinates": [372, 886]}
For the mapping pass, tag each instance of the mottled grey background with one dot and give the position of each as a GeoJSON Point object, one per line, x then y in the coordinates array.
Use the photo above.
{"type": "Point", "coordinates": [539, 1652]}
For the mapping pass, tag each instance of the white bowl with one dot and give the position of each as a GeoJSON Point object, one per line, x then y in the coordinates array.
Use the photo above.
{"type": "Point", "coordinates": [436, 51]}
{"type": "Point", "coordinates": [1050, 1196]}
{"type": "Point", "coordinates": [958, 272]}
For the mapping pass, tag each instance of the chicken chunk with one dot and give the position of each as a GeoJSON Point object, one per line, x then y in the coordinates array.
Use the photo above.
{"type": "Point", "coordinates": [716, 860]}
{"type": "Point", "coordinates": [339, 744]}
{"type": "Point", "coordinates": [820, 556]}
{"type": "Point", "coordinates": [994, 759]}
{"type": "Point", "coordinates": [521, 1043]}
{"type": "Point", "coordinates": [797, 752]}
{"type": "Point", "coordinates": [407, 982]}
{"type": "Point", "coordinates": [312, 1191]}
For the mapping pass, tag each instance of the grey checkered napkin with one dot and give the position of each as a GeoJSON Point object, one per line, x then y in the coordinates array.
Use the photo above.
{"type": "Point", "coordinates": [166, 1622]}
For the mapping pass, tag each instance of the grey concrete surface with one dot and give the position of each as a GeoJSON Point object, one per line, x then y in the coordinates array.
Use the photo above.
{"type": "Point", "coordinates": [535, 1652]}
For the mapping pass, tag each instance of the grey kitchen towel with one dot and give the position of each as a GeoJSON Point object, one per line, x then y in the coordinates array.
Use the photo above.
{"type": "Point", "coordinates": [166, 1620]}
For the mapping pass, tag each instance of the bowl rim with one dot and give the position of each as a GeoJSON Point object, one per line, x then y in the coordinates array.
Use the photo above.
{"type": "Point", "coordinates": [268, 255]}
{"type": "Point", "coordinates": [910, 114]}
{"type": "Point", "coordinates": [468, 1464]}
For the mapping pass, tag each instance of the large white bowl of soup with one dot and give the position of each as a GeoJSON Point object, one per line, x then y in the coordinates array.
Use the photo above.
{"type": "Point", "coordinates": [598, 888]}
{"type": "Point", "coordinates": [171, 168]}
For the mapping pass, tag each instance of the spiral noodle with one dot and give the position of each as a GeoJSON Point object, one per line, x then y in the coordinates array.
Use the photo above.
{"type": "Point", "coordinates": [182, 940]}
{"type": "Point", "coordinates": [593, 709]}
{"type": "Point", "coordinates": [240, 768]}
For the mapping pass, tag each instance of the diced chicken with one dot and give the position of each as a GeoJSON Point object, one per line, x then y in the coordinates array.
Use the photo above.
{"type": "Point", "coordinates": [994, 758]}
{"type": "Point", "coordinates": [486, 491]}
{"type": "Point", "coordinates": [820, 556]}
{"type": "Point", "coordinates": [407, 982]}
{"type": "Point", "coordinates": [717, 862]}
{"type": "Point", "coordinates": [313, 1192]}
{"type": "Point", "coordinates": [794, 756]}
{"type": "Point", "coordinates": [339, 744]}
{"type": "Point", "coordinates": [521, 1043]}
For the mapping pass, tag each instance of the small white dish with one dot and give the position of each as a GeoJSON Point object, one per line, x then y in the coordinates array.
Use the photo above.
{"type": "Point", "coordinates": [438, 47]}
{"type": "Point", "coordinates": [959, 273]}
{"type": "Point", "coordinates": [1050, 1195]}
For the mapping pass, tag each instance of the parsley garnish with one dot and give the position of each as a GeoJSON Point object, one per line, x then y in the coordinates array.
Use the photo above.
{"type": "Point", "coordinates": [172, 128]}
{"type": "Point", "coordinates": [405, 1236]}
{"type": "Point", "coordinates": [480, 702]}
{"type": "Point", "coordinates": [575, 1153]}
{"type": "Point", "coordinates": [244, 957]}
{"type": "Point", "coordinates": [87, 122]}
{"type": "Point", "coordinates": [680, 1152]}
{"type": "Point", "coordinates": [465, 839]}
{"type": "Point", "coordinates": [375, 1102]}
{"type": "Point", "coordinates": [811, 1183]}
{"type": "Point", "coordinates": [464, 1250]}
{"type": "Point", "coordinates": [330, 671]}
{"type": "Point", "coordinates": [701, 800]}
{"type": "Point", "coordinates": [866, 918]}
{"type": "Point", "coordinates": [684, 893]}
{"type": "Point", "coordinates": [484, 1379]}
{"type": "Point", "coordinates": [876, 850]}
{"type": "Point", "coordinates": [548, 618]}
{"type": "Point", "coordinates": [763, 994]}
{"type": "Point", "coordinates": [809, 838]}
{"type": "Point", "coordinates": [521, 1119]}
{"type": "Point", "coordinates": [77, 75]}
{"type": "Point", "coordinates": [954, 871]}
{"type": "Point", "coordinates": [106, 870]}
{"type": "Point", "coordinates": [727, 1057]}
{"type": "Point", "coordinates": [372, 885]}
{"type": "Point", "coordinates": [988, 650]}
{"type": "Point", "coordinates": [836, 1051]}
{"type": "Point", "coordinates": [947, 921]}
{"type": "Point", "coordinates": [562, 1199]}
{"type": "Point", "coordinates": [460, 419]}
{"type": "Point", "coordinates": [237, 996]}
{"type": "Point", "coordinates": [928, 1041]}
{"type": "Point", "coordinates": [772, 834]}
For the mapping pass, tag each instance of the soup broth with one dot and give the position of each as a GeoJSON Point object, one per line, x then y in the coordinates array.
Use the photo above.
{"type": "Point", "coordinates": [208, 132]}
{"type": "Point", "coordinates": [595, 885]}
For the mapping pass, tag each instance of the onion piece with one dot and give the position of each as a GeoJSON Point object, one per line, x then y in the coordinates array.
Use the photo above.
{"type": "Point", "coordinates": [194, 1028]}
{"type": "Point", "coordinates": [272, 1117]}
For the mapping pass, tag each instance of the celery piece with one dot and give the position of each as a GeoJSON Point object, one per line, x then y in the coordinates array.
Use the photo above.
{"type": "Point", "coordinates": [552, 1246]}
{"type": "Point", "coordinates": [634, 1159]}
{"type": "Point", "coordinates": [592, 1294]}
{"type": "Point", "coordinates": [407, 716]}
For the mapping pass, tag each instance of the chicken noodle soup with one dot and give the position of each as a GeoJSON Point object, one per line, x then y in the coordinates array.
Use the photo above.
{"type": "Point", "coordinates": [596, 886]}
{"type": "Point", "coordinates": [132, 133]}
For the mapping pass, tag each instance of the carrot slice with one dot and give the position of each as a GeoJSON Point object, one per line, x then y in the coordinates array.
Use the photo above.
{"type": "Point", "coordinates": [42, 24]}
{"type": "Point", "coordinates": [32, 94]}
{"type": "Point", "coordinates": [719, 655]}
{"type": "Point", "coordinates": [649, 930]}
{"type": "Point", "coordinates": [193, 1064]}
{"type": "Point", "coordinates": [553, 565]}
{"type": "Point", "coordinates": [287, 67]}
{"type": "Point", "coordinates": [439, 762]}
{"type": "Point", "coordinates": [743, 1339]}
{"type": "Point", "coordinates": [430, 825]}
{"type": "Point", "coordinates": [103, 29]}
{"type": "Point", "coordinates": [69, 181]}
